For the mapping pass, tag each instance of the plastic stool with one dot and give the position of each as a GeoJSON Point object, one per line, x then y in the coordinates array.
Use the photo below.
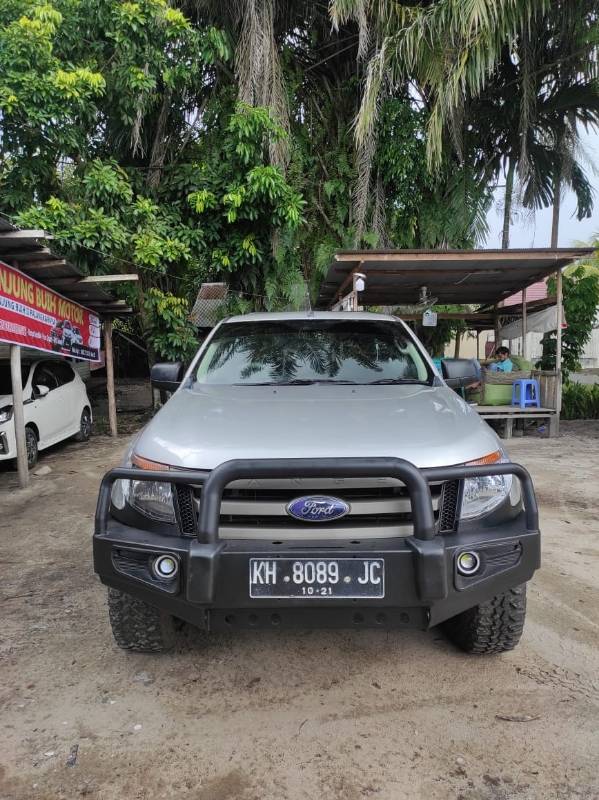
{"type": "Point", "coordinates": [526, 393]}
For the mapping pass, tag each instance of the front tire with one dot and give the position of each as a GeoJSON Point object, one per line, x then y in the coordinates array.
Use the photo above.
{"type": "Point", "coordinates": [138, 626]}
{"type": "Point", "coordinates": [85, 426]}
{"type": "Point", "coordinates": [31, 447]}
{"type": "Point", "coordinates": [491, 627]}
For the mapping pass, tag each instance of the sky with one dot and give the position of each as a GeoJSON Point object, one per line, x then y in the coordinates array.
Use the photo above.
{"type": "Point", "coordinates": [535, 231]}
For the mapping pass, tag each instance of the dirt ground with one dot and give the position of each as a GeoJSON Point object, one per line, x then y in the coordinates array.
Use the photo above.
{"type": "Point", "coordinates": [261, 716]}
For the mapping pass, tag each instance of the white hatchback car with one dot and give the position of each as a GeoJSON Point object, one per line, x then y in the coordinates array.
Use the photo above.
{"type": "Point", "coordinates": [56, 407]}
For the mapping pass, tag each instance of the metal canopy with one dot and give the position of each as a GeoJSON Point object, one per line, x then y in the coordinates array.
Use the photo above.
{"type": "Point", "coordinates": [477, 277]}
{"type": "Point", "coordinates": [27, 251]}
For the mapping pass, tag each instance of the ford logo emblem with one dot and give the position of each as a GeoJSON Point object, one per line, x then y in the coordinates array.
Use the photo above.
{"type": "Point", "coordinates": [317, 508]}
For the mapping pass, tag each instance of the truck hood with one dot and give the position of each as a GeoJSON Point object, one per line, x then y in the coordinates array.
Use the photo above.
{"type": "Point", "coordinates": [5, 400]}
{"type": "Point", "coordinates": [202, 426]}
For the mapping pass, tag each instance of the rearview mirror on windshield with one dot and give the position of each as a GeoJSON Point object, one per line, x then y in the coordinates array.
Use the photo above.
{"type": "Point", "coordinates": [459, 372]}
{"type": "Point", "coordinates": [166, 377]}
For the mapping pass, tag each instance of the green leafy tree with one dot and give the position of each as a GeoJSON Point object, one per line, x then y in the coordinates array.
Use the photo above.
{"type": "Point", "coordinates": [581, 299]}
{"type": "Point", "coordinates": [173, 335]}
{"type": "Point", "coordinates": [457, 56]}
{"type": "Point", "coordinates": [246, 209]}
{"type": "Point", "coordinates": [219, 143]}
{"type": "Point", "coordinates": [424, 209]}
{"type": "Point", "coordinates": [114, 155]}
{"type": "Point", "coordinates": [42, 99]}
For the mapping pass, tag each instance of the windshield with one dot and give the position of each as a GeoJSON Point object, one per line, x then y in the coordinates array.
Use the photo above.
{"type": "Point", "coordinates": [5, 381]}
{"type": "Point", "coordinates": [311, 351]}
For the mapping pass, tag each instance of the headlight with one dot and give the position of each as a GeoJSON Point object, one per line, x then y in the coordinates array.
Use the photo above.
{"type": "Point", "coordinates": [5, 413]}
{"type": "Point", "coordinates": [153, 499]}
{"type": "Point", "coordinates": [483, 495]}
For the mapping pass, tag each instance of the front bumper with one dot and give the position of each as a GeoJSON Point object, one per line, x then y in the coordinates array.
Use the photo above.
{"type": "Point", "coordinates": [422, 584]}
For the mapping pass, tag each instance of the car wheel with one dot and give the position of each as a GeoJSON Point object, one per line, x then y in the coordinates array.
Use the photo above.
{"type": "Point", "coordinates": [139, 626]}
{"type": "Point", "coordinates": [85, 426]}
{"type": "Point", "coordinates": [491, 627]}
{"type": "Point", "coordinates": [31, 447]}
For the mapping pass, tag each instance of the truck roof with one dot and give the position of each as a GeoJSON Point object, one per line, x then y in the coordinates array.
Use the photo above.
{"type": "Point", "coordinates": [265, 316]}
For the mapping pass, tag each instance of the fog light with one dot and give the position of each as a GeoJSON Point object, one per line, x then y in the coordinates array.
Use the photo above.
{"type": "Point", "coordinates": [468, 563]}
{"type": "Point", "coordinates": [165, 566]}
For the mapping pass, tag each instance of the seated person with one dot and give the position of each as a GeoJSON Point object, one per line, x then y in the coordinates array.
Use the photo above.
{"type": "Point", "coordinates": [503, 363]}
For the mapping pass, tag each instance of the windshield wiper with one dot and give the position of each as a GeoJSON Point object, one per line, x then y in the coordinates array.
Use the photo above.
{"type": "Point", "coordinates": [297, 382]}
{"type": "Point", "coordinates": [397, 381]}
{"type": "Point", "coordinates": [309, 381]}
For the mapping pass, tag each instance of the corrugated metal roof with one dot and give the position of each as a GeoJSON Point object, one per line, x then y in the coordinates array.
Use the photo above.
{"type": "Point", "coordinates": [207, 309]}
{"type": "Point", "coordinates": [538, 291]}
{"type": "Point", "coordinates": [478, 277]}
{"type": "Point", "coordinates": [28, 251]}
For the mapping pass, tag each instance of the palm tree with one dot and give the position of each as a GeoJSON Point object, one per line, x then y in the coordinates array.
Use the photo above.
{"type": "Point", "coordinates": [530, 155]}
{"type": "Point", "coordinates": [453, 50]}
{"type": "Point", "coordinates": [572, 96]}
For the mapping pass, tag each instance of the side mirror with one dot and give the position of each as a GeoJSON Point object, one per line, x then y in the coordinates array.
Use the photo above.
{"type": "Point", "coordinates": [459, 372]}
{"type": "Point", "coordinates": [40, 391]}
{"type": "Point", "coordinates": [166, 377]}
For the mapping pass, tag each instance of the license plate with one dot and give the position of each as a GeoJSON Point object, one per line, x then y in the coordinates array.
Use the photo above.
{"type": "Point", "coordinates": [351, 578]}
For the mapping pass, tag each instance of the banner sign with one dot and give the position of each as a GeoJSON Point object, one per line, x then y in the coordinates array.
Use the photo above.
{"type": "Point", "coordinates": [34, 316]}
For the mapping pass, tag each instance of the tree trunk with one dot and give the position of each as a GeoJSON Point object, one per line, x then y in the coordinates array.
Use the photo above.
{"type": "Point", "coordinates": [458, 341]}
{"type": "Point", "coordinates": [507, 206]}
{"type": "Point", "coordinates": [159, 146]}
{"type": "Point", "coordinates": [557, 190]}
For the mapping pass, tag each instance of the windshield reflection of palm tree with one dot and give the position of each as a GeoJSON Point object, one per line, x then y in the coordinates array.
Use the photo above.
{"type": "Point", "coordinates": [284, 355]}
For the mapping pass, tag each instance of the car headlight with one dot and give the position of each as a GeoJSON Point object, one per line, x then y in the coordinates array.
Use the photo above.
{"type": "Point", "coordinates": [153, 499]}
{"type": "Point", "coordinates": [483, 495]}
{"type": "Point", "coordinates": [5, 413]}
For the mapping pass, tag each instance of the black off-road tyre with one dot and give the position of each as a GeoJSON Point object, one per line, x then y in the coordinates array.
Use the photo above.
{"type": "Point", "coordinates": [492, 627]}
{"type": "Point", "coordinates": [85, 426]}
{"type": "Point", "coordinates": [139, 626]}
{"type": "Point", "coordinates": [31, 447]}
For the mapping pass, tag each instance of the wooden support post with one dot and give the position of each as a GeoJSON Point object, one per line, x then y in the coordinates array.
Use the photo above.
{"type": "Point", "coordinates": [478, 345]}
{"type": "Point", "coordinates": [524, 325]}
{"type": "Point", "coordinates": [558, 345]}
{"type": "Point", "coordinates": [496, 327]}
{"type": "Point", "coordinates": [18, 414]}
{"type": "Point", "coordinates": [110, 376]}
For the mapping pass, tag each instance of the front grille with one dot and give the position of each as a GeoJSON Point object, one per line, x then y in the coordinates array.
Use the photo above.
{"type": "Point", "coordinates": [448, 515]}
{"type": "Point", "coordinates": [376, 510]}
{"type": "Point", "coordinates": [186, 509]}
{"type": "Point", "coordinates": [354, 520]}
{"type": "Point", "coordinates": [286, 495]}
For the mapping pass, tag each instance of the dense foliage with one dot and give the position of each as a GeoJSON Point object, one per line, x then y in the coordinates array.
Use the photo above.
{"type": "Point", "coordinates": [246, 142]}
{"type": "Point", "coordinates": [581, 298]}
{"type": "Point", "coordinates": [580, 401]}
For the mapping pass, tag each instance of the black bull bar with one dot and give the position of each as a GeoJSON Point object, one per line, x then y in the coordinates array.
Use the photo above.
{"type": "Point", "coordinates": [428, 548]}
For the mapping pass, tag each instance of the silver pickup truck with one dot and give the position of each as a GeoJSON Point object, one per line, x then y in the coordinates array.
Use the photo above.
{"type": "Point", "coordinates": [315, 470]}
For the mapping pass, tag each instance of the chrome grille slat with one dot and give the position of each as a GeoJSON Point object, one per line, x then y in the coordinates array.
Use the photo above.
{"type": "Point", "coordinates": [400, 505]}
{"type": "Point", "coordinates": [313, 532]}
{"type": "Point", "coordinates": [379, 508]}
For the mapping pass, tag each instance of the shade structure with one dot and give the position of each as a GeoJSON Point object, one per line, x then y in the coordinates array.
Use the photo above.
{"type": "Point", "coordinates": [468, 277]}
{"type": "Point", "coordinates": [29, 251]}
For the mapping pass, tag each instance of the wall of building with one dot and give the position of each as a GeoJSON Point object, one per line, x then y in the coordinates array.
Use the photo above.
{"type": "Point", "coordinates": [589, 359]}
